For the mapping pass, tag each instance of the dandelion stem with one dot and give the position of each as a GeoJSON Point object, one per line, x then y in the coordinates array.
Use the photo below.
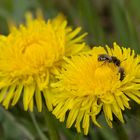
{"type": "Point", "coordinates": [53, 133]}
{"type": "Point", "coordinates": [120, 131]}
{"type": "Point", "coordinates": [92, 133]}
{"type": "Point", "coordinates": [78, 137]}
{"type": "Point", "coordinates": [41, 135]}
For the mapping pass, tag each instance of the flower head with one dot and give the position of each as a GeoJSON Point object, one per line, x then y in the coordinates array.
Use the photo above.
{"type": "Point", "coordinates": [31, 54]}
{"type": "Point", "coordinates": [87, 86]}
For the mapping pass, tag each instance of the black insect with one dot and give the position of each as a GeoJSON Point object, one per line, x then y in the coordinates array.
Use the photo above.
{"type": "Point", "coordinates": [115, 60]}
{"type": "Point", "coordinates": [106, 57]}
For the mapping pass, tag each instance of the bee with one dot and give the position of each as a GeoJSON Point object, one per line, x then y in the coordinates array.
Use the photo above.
{"type": "Point", "coordinates": [115, 60]}
{"type": "Point", "coordinates": [107, 58]}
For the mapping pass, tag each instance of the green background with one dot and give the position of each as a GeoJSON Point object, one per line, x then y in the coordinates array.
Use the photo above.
{"type": "Point", "coordinates": [106, 21]}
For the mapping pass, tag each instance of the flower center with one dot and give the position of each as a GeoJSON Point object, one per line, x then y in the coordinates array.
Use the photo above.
{"type": "Point", "coordinates": [35, 53]}
{"type": "Point", "coordinates": [106, 72]}
{"type": "Point", "coordinates": [96, 79]}
{"type": "Point", "coordinates": [105, 77]}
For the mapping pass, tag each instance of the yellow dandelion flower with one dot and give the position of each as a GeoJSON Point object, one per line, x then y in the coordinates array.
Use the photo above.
{"type": "Point", "coordinates": [31, 54]}
{"type": "Point", "coordinates": [90, 83]}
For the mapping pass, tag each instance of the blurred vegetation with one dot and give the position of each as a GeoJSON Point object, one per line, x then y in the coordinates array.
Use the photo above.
{"type": "Point", "coordinates": [105, 21]}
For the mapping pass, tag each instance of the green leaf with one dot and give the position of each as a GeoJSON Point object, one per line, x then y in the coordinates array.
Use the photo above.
{"type": "Point", "coordinates": [13, 129]}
